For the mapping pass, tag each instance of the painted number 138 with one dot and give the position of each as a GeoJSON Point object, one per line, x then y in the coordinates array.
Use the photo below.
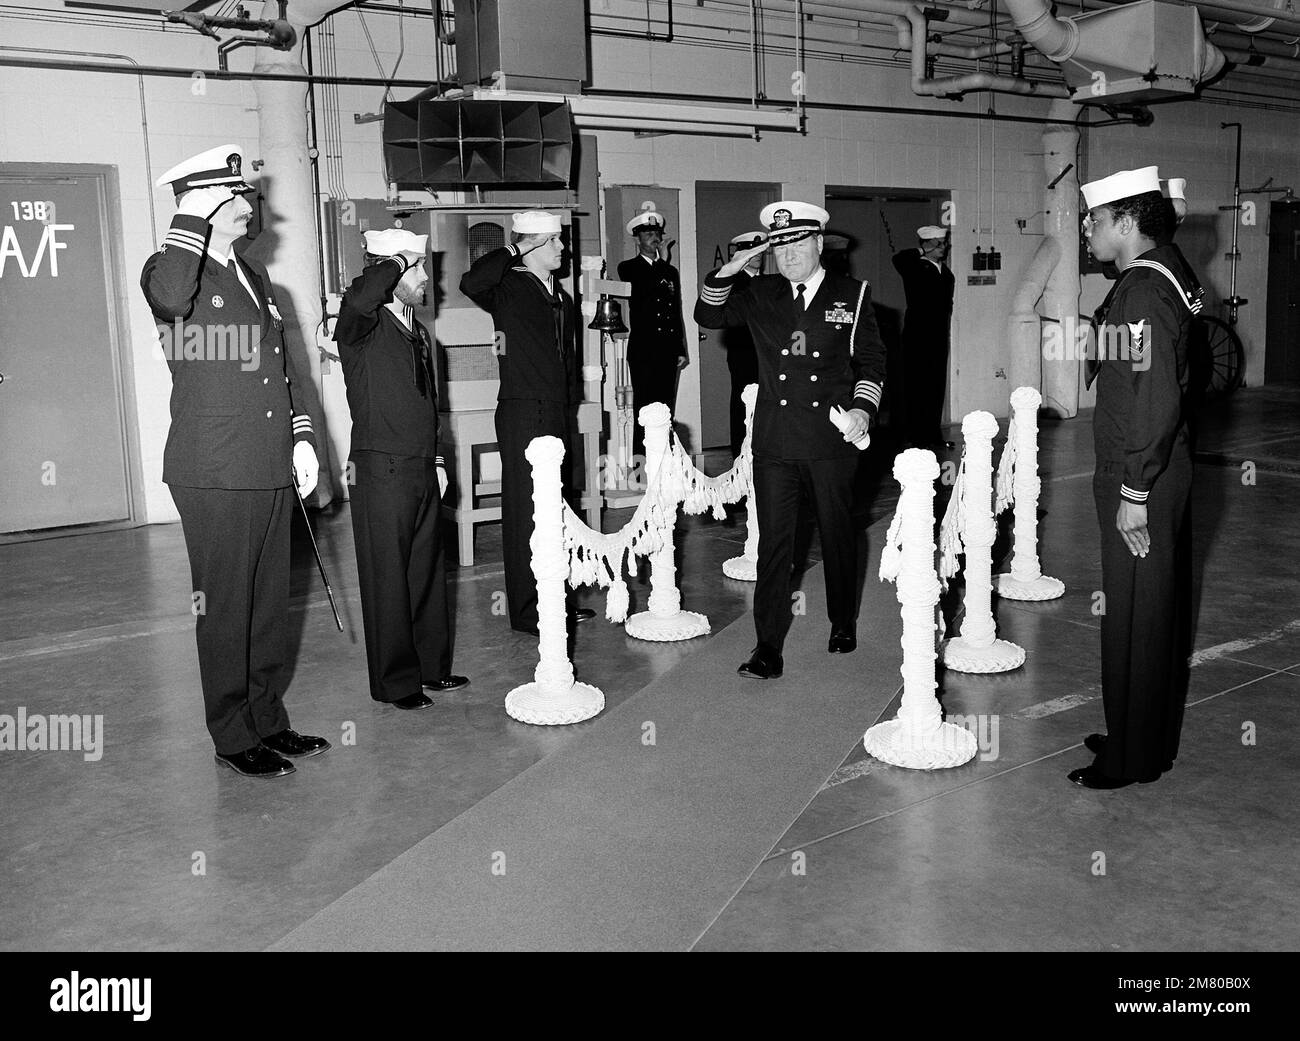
{"type": "Point", "coordinates": [28, 210]}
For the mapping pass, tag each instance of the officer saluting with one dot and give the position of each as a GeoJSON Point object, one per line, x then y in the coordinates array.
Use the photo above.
{"type": "Point", "coordinates": [537, 354]}
{"type": "Point", "coordinates": [1143, 479]}
{"type": "Point", "coordinates": [741, 361]}
{"type": "Point", "coordinates": [398, 473]}
{"type": "Point", "coordinates": [929, 285]}
{"type": "Point", "coordinates": [656, 348]}
{"type": "Point", "coordinates": [818, 346]}
{"type": "Point", "coordinates": [239, 441]}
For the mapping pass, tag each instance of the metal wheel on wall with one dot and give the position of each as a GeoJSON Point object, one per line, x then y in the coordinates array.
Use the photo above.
{"type": "Point", "coordinates": [1218, 359]}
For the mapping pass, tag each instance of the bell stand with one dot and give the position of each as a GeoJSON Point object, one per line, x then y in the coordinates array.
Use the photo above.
{"type": "Point", "coordinates": [620, 493]}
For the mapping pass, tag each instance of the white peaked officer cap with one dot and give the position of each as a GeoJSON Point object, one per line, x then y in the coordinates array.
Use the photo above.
{"type": "Point", "coordinates": [1175, 188]}
{"type": "Point", "coordinates": [392, 241]}
{"type": "Point", "coordinates": [749, 239]}
{"type": "Point", "coordinates": [220, 167]}
{"type": "Point", "coordinates": [931, 231]}
{"type": "Point", "coordinates": [1122, 185]}
{"type": "Point", "coordinates": [649, 217]}
{"type": "Point", "coordinates": [535, 222]}
{"type": "Point", "coordinates": [790, 221]}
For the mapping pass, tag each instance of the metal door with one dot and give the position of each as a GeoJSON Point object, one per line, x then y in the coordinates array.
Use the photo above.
{"type": "Point", "coordinates": [62, 418]}
{"type": "Point", "coordinates": [723, 210]}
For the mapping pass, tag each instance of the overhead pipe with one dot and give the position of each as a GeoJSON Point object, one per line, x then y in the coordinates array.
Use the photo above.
{"type": "Point", "coordinates": [283, 153]}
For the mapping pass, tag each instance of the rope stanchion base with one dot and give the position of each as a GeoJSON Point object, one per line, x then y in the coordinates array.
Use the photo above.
{"type": "Point", "coordinates": [684, 625]}
{"type": "Point", "coordinates": [1043, 587]}
{"type": "Point", "coordinates": [741, 568]}
{"type": "Point", "coordinates": [947, 747]}
{"type": "Point", "coordinates": [999, 656]}
{"type": "Point", "coordinates": [531, 703]}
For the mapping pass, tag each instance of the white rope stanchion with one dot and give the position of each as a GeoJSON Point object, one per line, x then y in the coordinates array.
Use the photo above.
{"type": "Point", "coordinates": [744, 568]}
{"type": "Point", "coordinates": [554, 697]}
{"type": "Point", "coordinates": [665, 621]}
{"type": "Point", "coordinates": [969, 524]}
{"type": "Point", "coordinates": [917, 737]}
{"type": "Point", "coordinates": [1018, 479]}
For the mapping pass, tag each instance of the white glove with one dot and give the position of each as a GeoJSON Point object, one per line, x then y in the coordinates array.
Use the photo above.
{"type": "Point", "coordinates": [204, 202]}
{"type": "Point", "coordinates": [442, 482]}
{"type": "Point", "coordinates": [306, 469]}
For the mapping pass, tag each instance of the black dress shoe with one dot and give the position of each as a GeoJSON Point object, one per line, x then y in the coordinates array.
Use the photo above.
{"type": "Point", "coordinates": [842, 641]}
{"type": "Point", "coordinates": [581, 614]}
{"type": "Point", "coordinates": [1091, 777]}
{"type": "Point", "coordinates": [763, 664]}
{"type": "Point", "coordinates": [257, 761]}
{"type": "Point", "coordinates": [412, 701]}
{"type": "Point", "coordinates": [1096, 744]}
{"type": "Point", "coordinates": [296, 745]}
{"type": "Point", "coordinates": [447, 683]}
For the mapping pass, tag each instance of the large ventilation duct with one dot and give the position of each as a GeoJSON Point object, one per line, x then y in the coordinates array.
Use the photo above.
{"type": "Point", "coordinates": [1053, 277]}
{"type": "Point", "coordinates": [294, 259]}
{"type": "Point", "coordinates": [1132, 54]}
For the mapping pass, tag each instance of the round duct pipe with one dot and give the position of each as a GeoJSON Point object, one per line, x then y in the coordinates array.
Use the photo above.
{"type": "Point", "coordinates": [289, 245]}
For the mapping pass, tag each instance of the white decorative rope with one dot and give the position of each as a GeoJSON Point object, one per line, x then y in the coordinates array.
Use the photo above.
{"type": "Point", "coordinates": [668, 481]}
{"type": "Point", "coordinates": [553, 697]}
{"type": "Point", "coordinates": [1026, 581]}
{"type": "Point", "coordinates": [978, 649]}
{"type": "Point", "coordinates": [917, 737]}
{"type": "Point", "coordinates": [745, 567]}
{"type": "Point", "coordinates": [952, 531]}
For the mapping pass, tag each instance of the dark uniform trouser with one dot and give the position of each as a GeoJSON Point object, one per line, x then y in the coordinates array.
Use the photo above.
{"type": "Point", "coordinates": [742, 363]}
{"type": "Point", "coordinates": [654, 378]}
{"type": "Point", "coordinates": [238, 544]}
{"type": "Point", "coordinates": [401, 571]}
{"type": "Point", "coordinates": [777, 486]}
{"type": "Point", "coordinates": [925, 378]}
{"type": "Point", "coordinates": [1145, 631]}
{"type": "Point", "coordinates": [518, 421]}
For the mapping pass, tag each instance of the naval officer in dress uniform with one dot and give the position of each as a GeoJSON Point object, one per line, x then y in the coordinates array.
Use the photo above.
{"type": "Point", "coordinates": [240, 441]}
{"type": "Point", "coordinates": [537, 354]}
{"type": "Point", "coordinates": [1143, 479]}
{"type": "Point", "coordinates": [397, 474]}
{"type": "Point", "coordinates": [656, 347]}
{"type": "Point", "coordinates": [928, 284]}
{"type": "Point", "coordinates": [818, 346]}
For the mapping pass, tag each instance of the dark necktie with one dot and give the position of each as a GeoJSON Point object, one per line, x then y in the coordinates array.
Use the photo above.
{"type": "Point", "coordinates": [799, 303]}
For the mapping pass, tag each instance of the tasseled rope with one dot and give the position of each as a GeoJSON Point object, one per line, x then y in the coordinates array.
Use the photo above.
{"type": "Point", "coordinates": [891, 557]}
{"type": "Point", "coordinates": [952, 532]}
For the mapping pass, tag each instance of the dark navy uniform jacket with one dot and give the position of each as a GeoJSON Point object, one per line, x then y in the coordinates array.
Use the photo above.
{"type": "Point", "coordinates": [537, 356]}
{"type": "Point", "coordinates": [929, 291]}
{"type": "Point", "coordinates": [656, 317]}
{"type": "Point", "coordinates": [1141, 387]}
{"type": "Point", "coordinates": [388, 369]}
{"type": "Point", "coordinates": [234, 412]}
{"type": "Point", "coordinates": [838, 360]}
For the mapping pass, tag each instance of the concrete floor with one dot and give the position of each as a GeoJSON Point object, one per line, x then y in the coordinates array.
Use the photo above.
{"type": "Point", "coordinates": [154, 847]}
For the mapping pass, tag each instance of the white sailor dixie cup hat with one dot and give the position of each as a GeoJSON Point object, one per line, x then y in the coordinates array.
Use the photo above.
{"type": "Point", "coordinates": [749, 239]}
{"type": "Point", "coordinates": [649, 217]}
{"type": "Point", "coordinates": [789, 221]}
{"type": "Point", "coordinates": [535, 222]}
{"type": "Point", "coordinates": [220, 167]}
{"type": "Point", "coordinates": [1175, 188]}
{"type": "Point", "coordinates": [931, 231]}
{"type": "Point", "coordinates": [392, 241]}
{"type": "Point", "coordinates": [1122, 185]}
